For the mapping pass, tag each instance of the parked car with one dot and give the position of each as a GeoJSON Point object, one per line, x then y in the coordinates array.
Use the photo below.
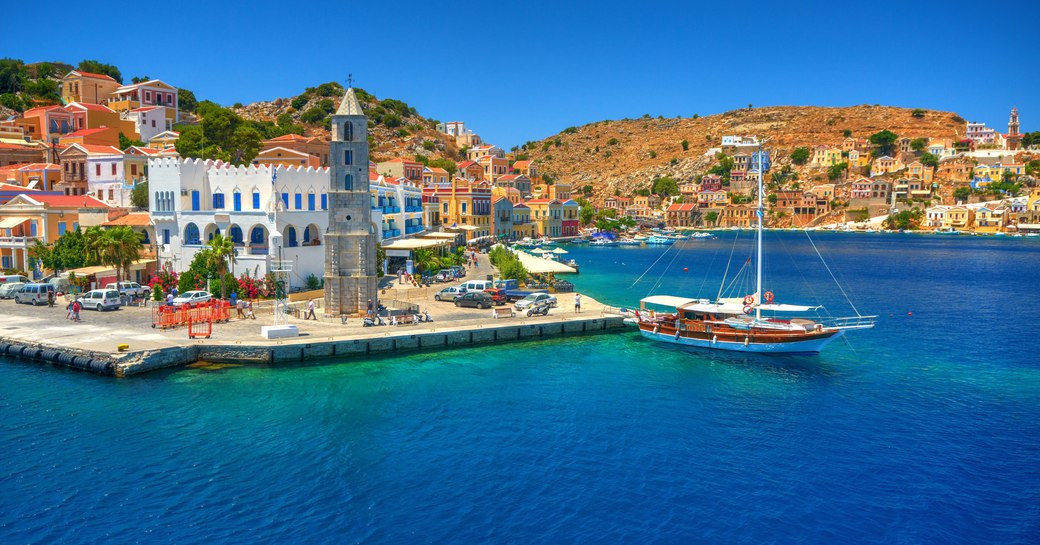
{"type": "Point", "coordinates": [445, 275]}
{"type": "Point", "coordinates": [8, 278]}
{"type": "Point", "coordinates": [34, 294]}
{"type": "Point", "coordinates": [449, 293]}
{"type": "Point", "coordinates": [192, 298]}
{"type": "Point", "coordinates": [475, 299]}
{"type": "Point", "coordinates": [7, 291]}
{"type": "Point", "coordinates": [498, 295]}
{"type": "Point", "coordinates": [536, 298]}
{"type": "Point", "coordinates": [100, 300]}
{"type": "Point", "coordinates": [477, 285]}
{"type": "Point", "coordinates": [460, 271]}
{"type": "Point", "coordinates": [129, 289]}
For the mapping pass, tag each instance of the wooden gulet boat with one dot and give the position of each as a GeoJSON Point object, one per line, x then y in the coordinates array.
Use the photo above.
{"type": "Point", "coordinates": [737, 324]}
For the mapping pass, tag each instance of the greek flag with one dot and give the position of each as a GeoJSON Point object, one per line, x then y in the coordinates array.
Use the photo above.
{"type": "Point", "coordinates": [274, 175]}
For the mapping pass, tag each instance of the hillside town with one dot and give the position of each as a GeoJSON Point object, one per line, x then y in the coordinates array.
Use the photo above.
{"type": "Point", "coordinates": [107, 157]}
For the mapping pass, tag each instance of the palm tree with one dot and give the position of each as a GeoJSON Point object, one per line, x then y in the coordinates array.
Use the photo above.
{"type": "Point", "coordinates": [425, 259]}
{"type": "Point", "coordinates": [125, 248]}
{"type": "Point", "coordinates": [222, 251]}
{"type": "Point", "coordinates": [95, 246]}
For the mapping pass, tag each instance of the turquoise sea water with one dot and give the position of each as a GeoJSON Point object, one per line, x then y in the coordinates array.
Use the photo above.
{"type": "Point", "coordinates": [924, 430]}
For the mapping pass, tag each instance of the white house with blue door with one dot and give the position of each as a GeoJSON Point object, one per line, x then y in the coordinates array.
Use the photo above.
{"type": "Point", "coordinates": [191, 200]}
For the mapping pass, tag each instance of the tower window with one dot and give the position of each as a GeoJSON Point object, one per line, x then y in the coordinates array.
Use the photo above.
{"type": "Point", "coordinates": [348, 157]}
{"type": "Point", "coordinates": [348, 181]}
{"type": "Point", "coordinates": [348, 132]}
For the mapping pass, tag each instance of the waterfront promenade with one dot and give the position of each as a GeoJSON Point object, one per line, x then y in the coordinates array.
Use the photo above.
{"type": "Point", "coordinates": [98, 336]}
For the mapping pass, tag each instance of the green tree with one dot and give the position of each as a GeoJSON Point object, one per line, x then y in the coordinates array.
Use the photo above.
{"type": "Point", "coordinates": [586, 190]}
{"type": "Point", "coordinates": [100, 68]}
{"type": "Point", "coordinates": [919, 144]}
{"type": "Point", "coordinates": [711, 217]}
{"type": "Point", "coordinates": [125, 249]}
{"type": "Point", "coordinates": [221, 253]}
{"type": "Point", "coordinates": [425, 260]}
{"type": "Point", "coordinates": [836, 171]}
{"type": "Point", "coordinates": [12, 75]}
{"type": "Point", "coordinates": [800, 156]}
{"type": "Point", "coordinates": [244, 145]}
{"type": "Point", "coordinates": [917, 112]}
{"type": "Point", "coordinates": [665, 186]}
{"type": "Point", "coordinates": [447, 164]}
{"type": "Point", "coordinates": [139, 196]}
{"type": "Point", "coordinates": [846, 133]}
{"type": "Point", "coordinates": [884, 142]}
{"type": "Point", "coordinates": [962, 193]}
{"type": "Point", "coordinates": [929, 160]}
{"type": "Point", "coordinates": [186, 100]}
{"type": "Point", "coordinates": [685, 145]}
{"type": "Point", "coordinates": [587, 213]}
{"type": "Point", "coordinates": [125, 142]}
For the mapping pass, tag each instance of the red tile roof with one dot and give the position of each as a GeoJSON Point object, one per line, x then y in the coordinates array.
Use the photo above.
{"type": "Point", "coordinates": [292, 137]}
{"type": "Point", "coordinates": [69, 201]}
{"type": "Point", "coordinates": [88, 106]}
{"type": "Point", "coordinates": [93, 75]}
{"type": "Point", "coordinates": [39, 166]}
{"type": "Point", "coordinates": [541, 201]}
{"type": "Point", "coordinates": [40, 109]}
{"type": "Point", "coordinates": [88, 132]}
{"type": "Point", "coordinates": [144, 150]}
{"type": "Point", "coordinates": [681, 207]}
{"type": "Point", "coordinates": [465, 164]}
{"type": "Point", "coordinates": [521, 164]}
{"type": "Point", "coordinates": [133, 219]}
{"type": "Point", "coordinates": [507, 177]}
{"type": "Point", "coordinates": [16, 146]}
{"type": "Point", "coordinates": [100, 150]}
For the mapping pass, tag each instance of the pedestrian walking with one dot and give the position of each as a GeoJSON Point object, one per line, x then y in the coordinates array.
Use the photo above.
{"type": "Point", "coordinates": [369, 307]}
{"type": "Point", "coordinates": [239, 308]}
{"type": "Point", "coordinates": [50, 298]}
{"type": "Point", "coordinates": [249, 310]}
{"type": "Point", "coordinates": [68, 309]}
{"type": "Point", "coordinates": [577, 303]}
{"type": "Point", "coordinates": [310, 311]}
{"type": "Point", "coordinates": [169, 299]}
{"type": "Point", "coordinates": [234, 299]}
{"type": "Point", "coordinates": [76, 307]}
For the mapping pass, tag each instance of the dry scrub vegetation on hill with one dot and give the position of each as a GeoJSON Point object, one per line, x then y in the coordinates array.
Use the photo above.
{"type": "Point", "coordinates": [627, 155]}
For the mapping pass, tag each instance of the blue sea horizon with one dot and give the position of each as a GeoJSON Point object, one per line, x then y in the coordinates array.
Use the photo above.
{"type": "Point", "coordinates": [923, 430]}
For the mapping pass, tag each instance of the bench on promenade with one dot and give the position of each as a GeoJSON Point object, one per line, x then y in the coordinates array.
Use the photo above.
{"type": "Point", "coordinates": [502, 312]}
{"type": "Point", "coordinates": [404, 319]}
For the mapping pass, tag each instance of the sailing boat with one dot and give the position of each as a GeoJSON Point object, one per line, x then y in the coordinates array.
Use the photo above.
{"type": "Point", "coordinates": [738, 324]}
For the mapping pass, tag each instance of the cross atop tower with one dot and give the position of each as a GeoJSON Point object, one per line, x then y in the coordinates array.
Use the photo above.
{"type": "Point", "coordinates": [350, 80]}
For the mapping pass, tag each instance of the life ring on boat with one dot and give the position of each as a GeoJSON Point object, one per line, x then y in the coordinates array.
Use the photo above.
{"type": "Point", "coordinates": [748, 299]}
{"type": "Point", "coordinates": [768, 296]}
{"type": "Point", "coordinates": [748, 309]}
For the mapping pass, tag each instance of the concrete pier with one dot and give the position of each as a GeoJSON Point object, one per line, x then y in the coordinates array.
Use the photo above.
{"type": "Point", "coordinates": [42, 334]}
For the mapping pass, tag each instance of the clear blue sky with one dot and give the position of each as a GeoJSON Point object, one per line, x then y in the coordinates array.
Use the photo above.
{"type": "Point", "coordinates": [524, 71]}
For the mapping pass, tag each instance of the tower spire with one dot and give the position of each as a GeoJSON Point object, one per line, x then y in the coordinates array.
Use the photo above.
{"type": "Point", "coordinates": [350, 104]}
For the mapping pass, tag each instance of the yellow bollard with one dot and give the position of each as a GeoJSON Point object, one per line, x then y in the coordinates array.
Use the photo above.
{"type": "Point", "coordinates": [122, 347]}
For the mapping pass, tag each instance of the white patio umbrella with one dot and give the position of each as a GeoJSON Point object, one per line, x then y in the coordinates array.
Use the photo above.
{"type": "Point", "coordinates": [560, 251]}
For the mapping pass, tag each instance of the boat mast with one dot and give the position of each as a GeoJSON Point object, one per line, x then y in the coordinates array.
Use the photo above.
{"type": "Point", "coordinates": [758, 261]}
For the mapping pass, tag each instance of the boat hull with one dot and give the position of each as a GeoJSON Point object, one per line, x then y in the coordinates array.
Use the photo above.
{"type": "Point", "coordinates": [766, 344]}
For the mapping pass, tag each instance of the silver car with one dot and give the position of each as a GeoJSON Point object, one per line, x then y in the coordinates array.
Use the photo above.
{"type": "Point", "coordinates": [192, 298]}
{"type": "Point", "coordinates": [8, 290]}
{"type": "Point", "coordinates": [100, 300]}
{"type": "Point", "coordinates": [534, 299]}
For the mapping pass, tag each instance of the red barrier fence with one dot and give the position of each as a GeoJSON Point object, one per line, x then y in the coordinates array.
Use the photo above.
{"type": "Point", "coordinates": [166, 316]}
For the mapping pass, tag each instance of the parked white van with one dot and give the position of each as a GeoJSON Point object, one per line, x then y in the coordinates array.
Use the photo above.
{"type": "Point", "coordinates": [477, 285]}
{"type": "Point", "coordinates": [34, 294]}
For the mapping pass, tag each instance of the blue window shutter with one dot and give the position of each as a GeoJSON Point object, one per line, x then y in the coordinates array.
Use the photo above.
{"type": "Point", "coordinates": [310, 201]}
{"type": "Point", "coordinates": [298, 201]}
{"type": "Point", "coordinates": [195, 200]}
{"type": "Point", "coordinates": [256, 201]}
{"type": "Point", "coordinates": [238, 202]}
{"type": "Point", "coordinates": [324, 201]}
{"type": "Point", "coordinates": [285, 200]}
{"type": "Point", "coordinates": [61, 228]}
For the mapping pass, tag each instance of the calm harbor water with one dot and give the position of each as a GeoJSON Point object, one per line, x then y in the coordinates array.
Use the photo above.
{"type": "Point", "coordinates": [924, 430]}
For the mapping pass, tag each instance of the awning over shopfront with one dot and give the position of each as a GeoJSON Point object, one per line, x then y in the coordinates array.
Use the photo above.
{"type": "Point", "coordinates": [538, 265]}
{"type": "Point", "coordinates": [13, 221]}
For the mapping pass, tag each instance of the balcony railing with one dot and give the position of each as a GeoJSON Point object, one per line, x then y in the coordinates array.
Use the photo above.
{"type": "Point", "coordinates": [16, 241]}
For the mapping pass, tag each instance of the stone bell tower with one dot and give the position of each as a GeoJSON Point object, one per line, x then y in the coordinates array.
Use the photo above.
{"type": "Point", "coordinates": [350, 244]}
{"type": "Point", "coordinates": [1014, 138]}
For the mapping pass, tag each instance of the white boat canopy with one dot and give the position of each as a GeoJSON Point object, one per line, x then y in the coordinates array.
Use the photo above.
{"type": "Point", "coordinates": [738, 308]}
{"type": "Point", "coordinates": [667, 300]}
{"type": "Point", "coordinates": [539, 265]}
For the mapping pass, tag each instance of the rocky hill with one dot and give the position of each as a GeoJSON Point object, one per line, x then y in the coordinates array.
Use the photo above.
{"type": "Point", "coordinates": [627, 155]}
{"type": "Point", "coordinates": [396, 129]}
